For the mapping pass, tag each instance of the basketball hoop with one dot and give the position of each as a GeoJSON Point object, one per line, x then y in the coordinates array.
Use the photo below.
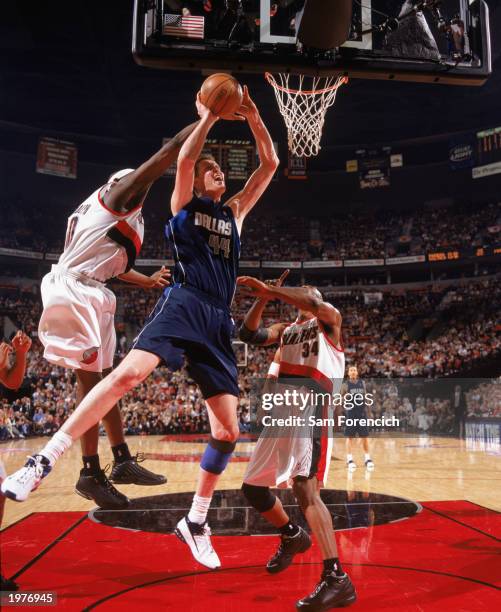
{"type": "Point", "coordinates": [304, 109]}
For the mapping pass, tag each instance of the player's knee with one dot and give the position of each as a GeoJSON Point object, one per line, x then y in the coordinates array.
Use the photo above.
{"type": "Point", "coordinates": [217, 455]}
{"type": "Point", "coordinates": [126, 377]}
{"type": "Point", "coordinates": [229, 433]}
{"type": "Point", "coordinates": [260, 498]}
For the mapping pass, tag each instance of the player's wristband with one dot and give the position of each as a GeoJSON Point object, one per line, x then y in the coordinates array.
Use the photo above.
{"type": "Point", "coordinates": [274, 369]}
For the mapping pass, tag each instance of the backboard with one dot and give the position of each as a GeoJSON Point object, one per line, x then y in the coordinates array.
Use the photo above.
{"type": "Point", "coordinates": [444, 41]}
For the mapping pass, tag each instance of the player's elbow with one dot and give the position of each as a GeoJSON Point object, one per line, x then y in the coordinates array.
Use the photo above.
{"type": "Point", "coordinates": [9, 386]}
{"type": "Point", "coordinates": [185, 163]}
{"type": "Point", "coordinates": [258, 336]}
{"type": "Point", "coordinates": [11, 383]}
{"type": "Point", "coordinates": [314, 302]}
{"type": "Point", "coordinates": [271, 164]}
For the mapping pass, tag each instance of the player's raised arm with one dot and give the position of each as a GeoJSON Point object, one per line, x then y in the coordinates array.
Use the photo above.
{"type": "Point", "coordinates": [251, 330]}
{"type": "Point", "coordinates": [11, 376]}
{"type": "Point", "coordinates": [243, 202]}
{"type": "Point", "coordinates": [304, 298]}
{"type": "Point", "coordinates": [131, 190]}
{"type": "Point", "coordinates": [188, 155]}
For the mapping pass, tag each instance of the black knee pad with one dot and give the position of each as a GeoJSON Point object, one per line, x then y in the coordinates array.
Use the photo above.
{"type": "Point", "coordinates": [260, 498]}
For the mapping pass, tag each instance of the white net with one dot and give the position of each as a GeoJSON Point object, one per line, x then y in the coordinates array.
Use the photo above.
{"type": "Point", "coordinates": [303, 102]}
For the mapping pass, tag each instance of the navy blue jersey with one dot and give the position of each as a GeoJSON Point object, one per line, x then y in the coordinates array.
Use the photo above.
{"type": "Point", "coordinates": [357, 387]}
{"type": "Point", "coordinates": [206, 247]}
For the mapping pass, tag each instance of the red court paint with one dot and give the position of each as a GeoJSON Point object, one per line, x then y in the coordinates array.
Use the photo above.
{"type": "Point", "coordinates": [444, 558]}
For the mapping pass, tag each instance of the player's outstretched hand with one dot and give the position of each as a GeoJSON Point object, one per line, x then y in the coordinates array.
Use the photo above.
{"type": "Point", "coordinates": [5, 351]}
{"type": "Point", "coordinates": [247, 111]}
{"type": "Point", "coordinates": [160, 278]}
{"type": "Point", "coordinates": [21, 342]}
{"type": "Point", "coordinates": [203, 111]}
{"type": "Point", "coordinates": [254, 286]}
{"type": "Point", "coordinates": [278, 282]}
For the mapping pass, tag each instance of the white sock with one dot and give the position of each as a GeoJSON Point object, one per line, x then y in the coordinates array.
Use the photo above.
{"type": "Point", "coordinates": [56, 446]}
{"type": "Point", "coordinates": [199, 509]}
{"type": "Point", "coordinates": [349, 457]}
{"type": "Point", "coordinates": [367, 456]}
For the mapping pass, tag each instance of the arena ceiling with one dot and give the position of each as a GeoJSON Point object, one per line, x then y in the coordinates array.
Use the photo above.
{"type": "Point", "coordinates": [66, 69]}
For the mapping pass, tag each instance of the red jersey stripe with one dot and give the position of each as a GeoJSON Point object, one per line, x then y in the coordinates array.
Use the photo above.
{"type": "Point", "coordinates": [306, 372]}
{"type": "Point", "coordinates": [124, 228]}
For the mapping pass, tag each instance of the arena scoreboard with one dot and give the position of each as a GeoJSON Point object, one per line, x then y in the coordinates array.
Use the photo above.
{"type": "Point", "coordinates": [454, 255]}
{"type": "Point", "coordinates": [237, 158]}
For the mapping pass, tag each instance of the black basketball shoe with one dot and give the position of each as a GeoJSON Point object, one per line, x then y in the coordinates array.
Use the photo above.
{"type": "Point", "coordinates": [331, 592]}
{"type": "Point", "coordinates": [289, 546]}
{"type": "Point", "coordinates": [8, 585]}
{"type": "Point", "coordinates": [130, 472]}
{"type": "Point", "coordinates": [99, 488]}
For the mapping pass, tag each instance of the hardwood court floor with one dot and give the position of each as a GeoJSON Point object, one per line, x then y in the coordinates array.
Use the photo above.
{"type": "Point", "coordinates": [420, 533]}
{"type": "Point", "coordinates": [423, 469]}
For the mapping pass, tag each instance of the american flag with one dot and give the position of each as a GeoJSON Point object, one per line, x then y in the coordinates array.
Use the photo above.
{"type": "Point", "coordinates": [186, 27]}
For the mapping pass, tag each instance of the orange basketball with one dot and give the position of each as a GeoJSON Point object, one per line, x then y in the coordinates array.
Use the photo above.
{"type": "Point", "coordinates": [222, 94]}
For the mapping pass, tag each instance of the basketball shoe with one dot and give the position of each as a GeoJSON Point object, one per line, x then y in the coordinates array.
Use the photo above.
{"type": "Point", "coordinates": [331, 592]}
{"type": "Point", "coordinates": [130, 472]}
{"type": "Point", "coordinates": [351, 465]}
{"type": "Point", "coordinates": [20, 484]}
{"type": "Point", "coordinates": [369, 465]}
{"type": "Point", "coordinates": [97, 486]}
{"type": "Point", "coordinates": [288, 547]}
{"type": "Point", "coordinates": [198, 539]}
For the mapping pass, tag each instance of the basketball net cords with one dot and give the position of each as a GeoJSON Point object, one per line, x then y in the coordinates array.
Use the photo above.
{"type": "Point", "coordinates": [304, 109]}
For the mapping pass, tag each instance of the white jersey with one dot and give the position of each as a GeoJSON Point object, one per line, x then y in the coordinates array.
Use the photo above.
{"type": "Point", "coordinates": [283, 453]}
{"type": "Point", "coordinates": [101, 243]}
{"type": "Point", "coordinates": [307, 351]}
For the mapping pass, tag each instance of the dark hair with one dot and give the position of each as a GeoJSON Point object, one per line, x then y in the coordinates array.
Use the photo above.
{"type": "Point", "coordinates": [203, 157]}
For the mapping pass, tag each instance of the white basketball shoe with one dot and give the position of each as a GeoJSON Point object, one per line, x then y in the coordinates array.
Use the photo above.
{"type": "Point", "coordinates": [20, 484]}
{"type": "Point", "coordinates": [198, 539]}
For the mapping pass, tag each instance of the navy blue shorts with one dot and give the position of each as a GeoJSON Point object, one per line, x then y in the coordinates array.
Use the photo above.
{"type": "Point", "coordinates": [352, 431]}
{"type": "Point", "coordinates": [190, 326]}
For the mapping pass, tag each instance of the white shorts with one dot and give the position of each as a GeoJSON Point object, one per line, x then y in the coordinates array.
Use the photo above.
{"type": "Point", "coordinates": [282, 453]}
{"type": "Point", "coordinates": [77, 323]}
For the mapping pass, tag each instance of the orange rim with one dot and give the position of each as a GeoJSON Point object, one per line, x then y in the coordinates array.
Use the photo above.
{"type": "Point", "coordinates": [309, 92]}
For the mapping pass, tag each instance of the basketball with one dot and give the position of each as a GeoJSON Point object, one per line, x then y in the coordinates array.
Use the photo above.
{"type": "Point", "coordinates": [222, 94]}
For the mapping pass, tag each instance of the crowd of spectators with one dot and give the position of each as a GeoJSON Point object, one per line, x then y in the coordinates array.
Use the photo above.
{"type": "Point", "coordinates": [422, 333]}
{"type": "Point", "coordinates": [351, 236]}
{"type": "Point", "coordinates": [416, 412]}
{"type": "Point", "coordinates": [354, 236]}
{"type": "Point", "coordinates": [485, 400]}
{"type": "Point", "coordinates": [425, 333]}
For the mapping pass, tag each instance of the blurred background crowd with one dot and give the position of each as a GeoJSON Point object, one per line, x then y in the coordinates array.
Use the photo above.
{"type": "Point", "coordinates": [394, 336]}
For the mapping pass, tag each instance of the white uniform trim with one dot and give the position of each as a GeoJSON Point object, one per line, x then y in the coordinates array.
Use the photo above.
{"type": "Point", "coordinates": [177, 252]}
{"type": "Point", "coordinates": [158, 313]}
